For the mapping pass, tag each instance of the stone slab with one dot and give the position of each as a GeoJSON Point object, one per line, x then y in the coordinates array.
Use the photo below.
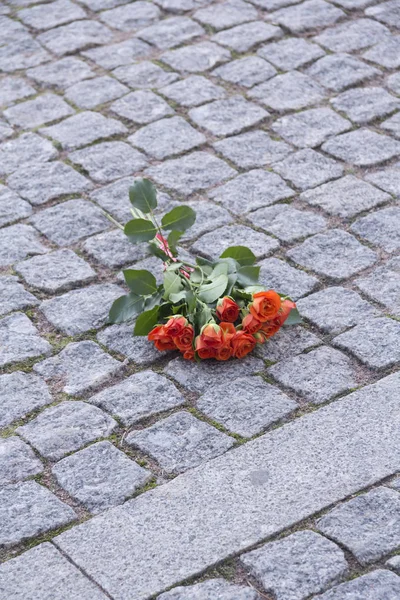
{"type": "Point", "coordinates": [13, 295]}
{"type": "Point", "coordinates": [377, 585]}
{"type": "Point", "coordinates": [20, 394]}
{"type": "Point", "coordinates": [207, 590]}
{"type": "Point", "coordinates": [17, 461]}
{"type": "Point", "coordinates": [20, 340]}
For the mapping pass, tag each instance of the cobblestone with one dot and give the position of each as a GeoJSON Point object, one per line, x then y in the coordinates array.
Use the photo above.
{"type": "Point", "coordinates": [17, 461]}
{"type": "Point", "coordinates": [20, 340]}
{"type": "Point", "coordinates": [307, 168]}
{"type": "Point", "coordinates": [362, 147]}
{"type": "Point", "coordinates": [307, 16]}
{"type": "Point", "coordinates": [243, 37]}
{"type": "Point", "coordinates": [226, 117]}
{"type": "Point", "coordinates": [14, 88]}
{"type": "Point", "coordinates": [75, 36]}
{"type": "Point", "coordinates": [252, 149]}
{"type": "Point", "coordinates": [197, 58]}
{"type": "Point", "coordinates": [340, 71]}
{"type": "Point", "coordinates": [62, 73]}
{"type": "Point", "coordinates": [378, 585]}
{"type": "Point", "coordinates": [142, 107]}
{"type": "Point", "coordinates": [277, 274]}
{"type": "Point", "coordinates": [386, 53]}
{"type": "Point", "coordinates": [12, 207]}
{"type": "Point", "coordinates": [246, 71]}
{"type": "Point", "coordinates": [383, 285]}
{"type": "Point", "coordinates": [171, 32]}
{"type": "Point", "coordinates": [214, 243]}
{"type": "Point", "coordinates": [20, 152]}
{"type": "Point", "coordinates": [20, 394]}
{"type": "Point", "coordinates": [193, 91]}
{"type": "Point", "coordinates": [290, 91]}
{"type": "Point", "coordinates": [167, 137]}
{"type": "Point", "coordinates": [365, 104]}
{"type": "Point", "coordinates": [91, 93]}
{"type": "Point", "coordinates": [117, 55]}
{"type": "Point", "coordinates": [287, 223]}
{"type": "Point", "coordinates": [46, 17]}
{"type": "Point", "coordinates": [13, 295]}
{"type": "Point", "coordinates": [311, 127]}
{"type": "Point", "coordinates": [290, 53]}
{"type": "Point", "coordinates": [357, 35]}
{"type": "Point", "coordinates": [131, 17]}
{"type": "Point", "coordinates": [227, 14]}
{"type": "Point", "coordinates": [207, 590]}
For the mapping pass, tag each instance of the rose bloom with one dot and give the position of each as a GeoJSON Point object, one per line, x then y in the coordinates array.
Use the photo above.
{"type": "Point", "coordinates": [162, 340]}
{"type": "Point", "coordinates": [270, 328]}
{"type": "Point", "coordinates": [188, 354]}
{"type": "Point", "coordinates": [203, 350]}
{"type": "Point", "coordinates": [211, 335]}
{"type": "Point", "coordinates": [251, 324]}
{"type": "Point", "coordinates": [225, 351]}
{"type": "Point", "coordinates": [184, 340]}
{"type": "Point", "coordinates": [242, 344]}
{"type": "Point", "coordinates": [265, 305]}
{"type": "Point", "coordinates": [227, 310]}
{"type": "Point", "coordinates": [175, 325]}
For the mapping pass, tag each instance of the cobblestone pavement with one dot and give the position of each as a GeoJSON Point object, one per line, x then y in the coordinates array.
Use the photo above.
{"type": "Point", "coordinates": [129, 475]}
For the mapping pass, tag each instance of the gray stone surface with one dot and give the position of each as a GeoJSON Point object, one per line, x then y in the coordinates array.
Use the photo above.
{"type": "Point", "coordinates": [142, 107]}
{"type": "Point", "coordinates": [290, 91]}
{"type": "Point", "coordinates": [91, 93]}
{"type": "Point", "coordinates": [41, 110]}
{"type": "Point", "coordinates": [171, 32]}
{"type": "Point", "coordinates": [208, 216]}
{"type": "Point", "coordinates": [61, 73]}
{"type": "Point", "coordinates": [310, 128]}
{"type": "Point", "coordinates": [207, 590]}
{"type": "Point", "coordinates": [131, 17]}
{"type": "Point", "coordinates": [335, 254]}
{"type": "Point", "coordinates": [227, 14]}
{"type": "Point", "coordinates": [377, 585]}
{"type": "Point", "coordinates": [100, 476]}
{"type": "Point", "coordinates": [214, 243]}
{"type": "Point", "coordinates": [196, 58]}
{"type": "Point", "coordinates": [316, 376]}
{"type": "Point", "coordinates": [193, 172]}
{"type": "Point", "coordinates": [57, 13]}
{"type": "Point", "coordinates": [22, 54]}
{"type": "Point", "coordinates": [367, 525]}
{"type": "Point", "coordinates": [193, 91]}
{"type": "Point", "coordinates": [20, 394]}
{"type": "Point", "coordinates": [243, 37]}
{"type": "Point", "coordinates": [381, 228]}
{"type": "Point", "coordinates": [375, 343]}
{"type": "Point", "coordinates": [144, 75]}
{"type": "Point", "coordinates": [80, 35]}
{"type": "Point", "coordinates": [340, 71]}
{"type": "Point", "coordinates": [113, 249]}
{"type": "Point", "coordinates": [226, 117]}
{"type": "Point", "coordinates": [250, 191]}
{"type": "Point", "coordinates": [116, 55]}
{"type": "Point", "coordinates": [363, 105]}
{"type": "Point", "coordinates": [392, 125]}
{"type": "Point", "coordinates": [14, 88]}
{"type": "Point", "coordinates": [383, 285]}
{"type": "Point", "coordinates": [307, 16]}
{"type": "Point", "coordinates": [394, 563]}
{"type": "Point", "coordinates": [180, 442]}
{"type": "Point", "coordinates": [279, 275]}
{"type": "Point", "coordinates": [20, 340]}
{"type": "Point", "coordinates": [252, 149]}
{"type": "Point", "coordinates": [287, 223]}
{"type": "Point", "coordinates": [40, 182]}
{"type": "Point", "coordinates": [290, 53]}
{"type": "Point", "coordinates": [44, 568]}
{"type": "Point", "coordinates": [247, 71]}
{"type": "Point", "coordinates": [307, 168]}
{"type": "Point", "coordinates": [20, 152]}
{"type": "Point", "coordinates": [140, 396]}
{"type": "Point", "coordinates": [353, 440]}
{"type": "Point", "coordinates": [387, 12]}
{"type": "Point", "coordinates": [28, 244]}
{"type": "Point", "coordinates": [13, 295]}
{"type": "Point", "coordinates": [246, 405]}
{"type": "Point", "coordinates": [17, 461]}
{"type": "Point", "coordinates": [298, 565]}
{"type": "Point", "coordinates": [64, 428]}
{"type": "Point", "coordinates": [79, 367]}
{"type": "Point", "coordinates": [345, 197]}
{"type": "Point", "coordinates": [167, 137]}
{"type": "Point", "coordinates": [386, 53]}
{"type": "Point", "coordinates": [5, 130]}
{"type": "Point", "coordinates": [289, 341]}
{"type": "Point", "coordinates": [69, 222]}
{"type": "Point", "coordinates": [120, 338]}
{"type": "Point", "coordinates": [356, 35]}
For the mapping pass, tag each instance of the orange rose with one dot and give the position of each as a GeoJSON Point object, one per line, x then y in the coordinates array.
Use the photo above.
{"type": "Point", "coordinates": [259, 337]}
{"type": "Point", "coordinates": [287, 306]}
{"type": "Point", "coordinates": [162, 340]}
{"type": "Point", "coordinates": [188, 354]}
{"type": "Point", "coordinates": [228, 331]}
{"type": "Point", "coordinates": [211, 335]}
{"type": "Point", "coordinates": [227, 310]}
{"type": "Point", "coordinates": [176, 325]}
{"type": "Point", "coordinates": [251, 324]}
{"type": "Point", "coordinates": [184, 340]}
{"type": "Point", "coordinates": [203, 350]}
{"type": "Point", "coordinates": [242, 344]}
{"type": "Point", "coordinates": [224, 353]}
{"type": "Point", "coordinates": [265, 305]}
{"type": "Point", "coordinates": [270, 328]}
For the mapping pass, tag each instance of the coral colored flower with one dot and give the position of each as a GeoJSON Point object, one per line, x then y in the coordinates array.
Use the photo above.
{"type": "Point", "coordinates": [242, 344]}
{"type": "Point", "coordinates": [251, 324]}
{"type": "Point", "coordinates": [203, 350]}
{"type": "Point", "coordinates": [265, 305]}
{"type": "Point", "coordinates": [227, 310]}
{"type": "Point", "coordinates": [270, 328]}
{"type": "Point", "coordinates": [184, 340]}
{"type": "Point", "coordinates": [259, 337]}
{"type": "Point", "coordinates": [287, 306]}
{"type": "Point", "coordinates": [228, 331]}
{"type": "Point", "coordinates": [162, 340]}
{"type": "Point", "coordinates": [188, 354]}
{"type": "Point", "coordinates": [224, 352]}
{"type": "Point", "coordinates": [211, 335]}
{"type": "Point", "coordinates": [176, 325]}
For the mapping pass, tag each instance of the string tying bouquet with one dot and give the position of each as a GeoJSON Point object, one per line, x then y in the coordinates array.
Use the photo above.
{"type": "Point", "coordinates": [206, 309]}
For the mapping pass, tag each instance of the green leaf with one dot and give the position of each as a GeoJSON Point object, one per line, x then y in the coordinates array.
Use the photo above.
{"type": "Point", "coordinates": [214, 290]}
{"type": "Point", "coordinates": [294, 318]}
{"type": "Point", "coordinates": [196, 276]}
{"type": "Point", "coordinates": [203, 315]}
{"type": "Point", "coordinates": [142, 283]}
{"type": "Point", "coordinates": [172, 283]}
{"type": "Point", "coordinates": [179, 218]}
{"type": "Point", "coordinates": [243, 255]}
{"type": "Point", "coordinates": [156, 251]}
{"type": "Point", "coordinates": [143, 195]}
{"type": "Point", "coordinates": [233, 265]}
{"type": "Point", "coordinates": [248, 275]}
{"type": "Point", "coordinates": [154, 300]}
{"type": "Point", "coordinates": [204, 262]}
{"type": "Point", "coordinates": [175, 298]}
{"type": "Point", "coordinates": [232, 277]}
{"type": "Point", "coordinates": [245, 295]}
{"type": "Point", "coordinates": [140, 230]}
{"type": "Point", "coordinates": [173, 239]}
{"type": "Point", "coordinates": [146, 321]}
{"type": "Point", "coordinates": [125, 308]}
{"type": "Point", "coordinates": [219, 269]}
{"type": "Point", "coordinates": [253, 289]}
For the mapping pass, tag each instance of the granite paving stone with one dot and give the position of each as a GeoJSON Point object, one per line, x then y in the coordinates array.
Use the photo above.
{"type": "Point", "coordinates": [289, 341]}
{"type": "Point", "coordinates": [375, 342]}
{"type": "Point", "coordinates": [26, 149]}
{"type": "Point", "coordinates": [28, 509]}
{"type": "Point", "coordinates": [227, 14]}
{"type": "Point", "coordinates": [336, 308]}
{"type": "Point", "coordinates": [193, 172]}
{"type": "Point", "coordinates": [252, 149]}
{"type": "Point", "coordinates": [97, 5]}
{"type": "Point", "coordinates": [167, 137]}
{"type": "Point", "coordinates": [13, 295]}
{"type": "Point", "coordinates": [196, 58]}
{"type": "Point", "coordinates": [142, 107]}
{"type": "Point", "coordinates": [229, 116]}
{"type": "Point", "coordinates": [69, 222]}
{"type": "Point", "coordinates": [79, 367]}
{"type": "Point", "coordinates": [386, 53]}
{"type": "Point", "coordinates": [387, 12]}
{"type": "Point", "coordinates": [144, 75]}
{"type": "Point", "coordinates": [61, 73]}
{"type": "Point", "coordinates": [14, 88]}
{"type": "Point", "coordinates": [109, 160]}
{"type": "Point", "coordinates": [340, 71]}
{"type": "Point", "coordinates": [100, 476]}
{"type": "Point", "coordinates": [113, 249]}
{"type": "Point", "coordinates": [311, 127]}
{"type": "Point", "coordinates": [246, 71]}
{"type": "Point", "coordinates": [79, 35]}
{"type": "Point", "coordinates": [12, 207]}
{"type": "Point", "coordinates": [41, 182]}
{"type": "Point", "coordinates": [363, 105]}
{"type": "Point", "coordinates": [180, 442]}
{"type": "Point", "coordinates": [207, 590]}
{"type": "Point", "coordinates": [208, 216]}
{"type": "Point", "coordinates": [5, 130]}
{"type": "Point", "coordinates": [28, 244]}
{"type": "Point", "coordinates": [22, 54]}
{"type": "Point", "coordinates": [171, 32]}
{"type": "Point", "coordinates": [316, 376]}
{"type": "Point", "coordinates": [17, 461]}
{"type": "Point", "coordinates": [291, 91]}
{"type": "Point", "coordinates": [352, 36]}
{"type": "Point", "coordinates": [243, 37]}
{"type": "Point", "coordinates": [345, 197]}
{"type": "Point", "coordinates": [376, 585]}
{"type": "Point", "coordinates": [56, 271]}
{"type": "Point", "coordinates": [246, 405]}
{"type": "Point", "coordinates": [214, 243]}
{"type": "Point", "coordinates": [131, 16]}
{"type": "Point", "coordinates": [12, 31]}
{"type": "Point", "coordinates": [307, 169]}
{"type": "Point", "coordinates": [20, 394]}
{"type": "Point", "coordinates": [116, 55]}
{"type": "Point", "coordinates": [383, 285]}
{"type": "Point", "coordinates": [81, 310]}
{"type": "Point", "coordinates": [20, 340]}
{"type": "Point", "coordinates": [298, 565]}
{"type": "Point", "coordinates": [290, 53]}
{"type": "Point", "coordinates": [392, 125]}
{"type": "Point", "coordinates": [367, 525]}
{"type": "Point", "coordinates": [82, 129]}
{"type": "Point", "coordinates": [335, 254]}
{"type": "Point", "coordinates": [362, 147]}
{"type": "Point", "coordinates": [61, 429]}
{"type": "Point", "coordinates": [287, 223]}
{"type": "Point", "coordinates": [44, 568]}
{"type": "Point", "coordinates": [279, 275]}
{"type": "Point", "coordinates": [193, 91]}
{"type": "Point", "coordinates": [381, 228]}
{"type": "Point", "coordinates": [251, 190]}
{"type": "Point", "coordinates": [138, 397]}
{"type": "Point", "coordinates": [119, 338]}
{"type": "Point", "coordinates": [91, 93]}
{"type": "Point", "coordinates": [48, 16]}
{"type": "Point", "coordinates": [394, 563]}
{"type": "Point", "coordinates": [307, 16]}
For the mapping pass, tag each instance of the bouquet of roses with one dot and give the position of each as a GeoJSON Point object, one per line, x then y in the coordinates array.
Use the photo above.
{"type": "Point", "coordinates": [206, 309]}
